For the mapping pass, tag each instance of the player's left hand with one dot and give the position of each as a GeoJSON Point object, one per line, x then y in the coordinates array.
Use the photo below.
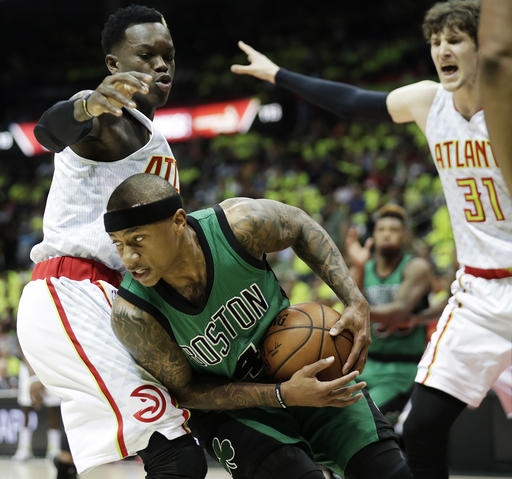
{"type": "Point", "coordinates": [355, 318]}
{"type": "Point", "coordinates": [37, 391]}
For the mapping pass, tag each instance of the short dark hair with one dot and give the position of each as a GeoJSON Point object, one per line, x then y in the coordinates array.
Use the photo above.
{"type": "Point", "coordinates": [461, 14]}
{"type": "Point", "coordinates": [391, 210]}
{"type": "Point", "coordinates": [140, 189]}
{"type": "Point", "coordinates": [117, 23]}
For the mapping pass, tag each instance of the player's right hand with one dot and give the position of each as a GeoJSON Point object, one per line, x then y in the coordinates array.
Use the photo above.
{"type": "Point", "coordinates": [116, 91]}
{"type": "Point", "coordinates": [304, 389]}
{"type": "Point", "coordinates": [260, 66]}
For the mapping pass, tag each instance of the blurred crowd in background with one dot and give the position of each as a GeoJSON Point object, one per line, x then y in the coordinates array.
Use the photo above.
{"type": "Point", "coordinates": [339, 171]}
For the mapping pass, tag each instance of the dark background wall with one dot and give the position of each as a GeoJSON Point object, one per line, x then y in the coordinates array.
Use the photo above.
{"type": "Point", "coordinates": [51, 48]}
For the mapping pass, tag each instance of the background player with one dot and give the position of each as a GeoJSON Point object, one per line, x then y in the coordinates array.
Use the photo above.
{"type": "Point", "coordinates": [396, 285]}
{"type": "Point", "coordinates": [199, 296]}
{"type": "Point", "coordinates": [103, 136]}
{"type": "Point", "coordinates": [495, 38]}
{"type": "Point", "coordinates": [449, 375]}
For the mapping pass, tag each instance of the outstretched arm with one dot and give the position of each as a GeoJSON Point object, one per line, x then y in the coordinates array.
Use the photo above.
{"type": "Point", "coordinates": [159, 354]}
{"type": "Point", "coordinates": [410, 103]}
{"type": "Point", "coordinates": [264, 226]}
{"type": "Point", "coordinates": [495, 50]}
{"type": "Point", "coordinates": [339, 98]}
{"type": "Point", "coordinates": [68, 122]}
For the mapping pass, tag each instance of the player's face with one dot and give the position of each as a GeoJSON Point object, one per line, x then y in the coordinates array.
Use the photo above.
{"type": "Point", "coordinates": [389, 235]}
{"type": "Point", "coordinates": [148, 252]}
{"type": "Point", "coordinates": [148, 48]}
{"type": "Point", "coordinates": [455, 58]}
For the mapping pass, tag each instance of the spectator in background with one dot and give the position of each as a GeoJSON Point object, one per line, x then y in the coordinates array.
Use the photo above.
{"type": "Point", "coordinates": [32, 395]}
{"type": "Point", "coordinates": [396, 284]}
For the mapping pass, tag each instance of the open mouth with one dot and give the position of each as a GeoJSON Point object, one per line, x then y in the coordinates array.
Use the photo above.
{"type": "Point", "coordinates": [449, 69]}
{"type": "Point", "coordinates": [139, 273]}
{"type": "Point", "coordinates": [164, 83]}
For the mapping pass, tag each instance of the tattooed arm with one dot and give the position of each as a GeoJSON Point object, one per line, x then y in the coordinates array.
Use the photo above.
{"type": "Point", "coordinates": [159, 354]}
{"type": "Point", "coordinates": [264, 226]}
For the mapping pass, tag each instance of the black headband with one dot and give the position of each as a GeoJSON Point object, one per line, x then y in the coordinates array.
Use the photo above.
{"type": "Point", "coordinates": [141, 215]}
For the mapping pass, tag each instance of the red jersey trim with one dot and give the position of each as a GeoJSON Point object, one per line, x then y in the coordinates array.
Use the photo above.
{"type": "Point", "coordinates": [83, 356]}
{"type": "Point", "coordinates": [77, 269]}
{"type": "Point", "coordinates": [434, 355]}
{"type": "Point", "coordinates": [489, 273]}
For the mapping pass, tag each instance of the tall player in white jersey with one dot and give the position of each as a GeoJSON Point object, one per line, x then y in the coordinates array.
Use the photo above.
{"type": "Point", "coordinates": [473, 343]}
{"type": "Point", "coordinates": [111, 407]}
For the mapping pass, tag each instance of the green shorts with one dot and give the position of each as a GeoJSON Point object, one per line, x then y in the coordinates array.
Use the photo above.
{"type": "Point", "coordinates": [331, 436]}
{"type": "Point", "coordinates": [387, 380]}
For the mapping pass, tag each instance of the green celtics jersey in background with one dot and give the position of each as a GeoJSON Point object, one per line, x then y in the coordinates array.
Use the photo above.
{"type": "Point", "coordinates": [391, 366]}
{"type": "Point", "coordinates": [407, 343]}
{"type": "Point", "coordinates": [221, 335]}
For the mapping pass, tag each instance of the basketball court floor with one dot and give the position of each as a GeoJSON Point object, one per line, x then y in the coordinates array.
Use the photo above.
{"type": "Point", "coordinates": [43, 469]}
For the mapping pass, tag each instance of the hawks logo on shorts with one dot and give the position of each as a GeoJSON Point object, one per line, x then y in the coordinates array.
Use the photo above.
{"type": "Point", "coordinates": [154, 402]}
{"type": "Point", "coordinates": [225, 453]}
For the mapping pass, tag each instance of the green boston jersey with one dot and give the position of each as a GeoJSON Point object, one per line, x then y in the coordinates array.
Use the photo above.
{"type": "Point", "coordinates": [407, 344]}
{"type": "Point", "coordinates": [222, 334]}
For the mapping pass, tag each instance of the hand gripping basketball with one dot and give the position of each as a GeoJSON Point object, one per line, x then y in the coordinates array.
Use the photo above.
{"type": "Point", "coordinates": [298, 336]}
{"type": "Point", "coordinates": [297, 346]}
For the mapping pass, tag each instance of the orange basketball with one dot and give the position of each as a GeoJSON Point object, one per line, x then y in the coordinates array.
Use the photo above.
{"type": "Point", "coordinates": [299, 335]}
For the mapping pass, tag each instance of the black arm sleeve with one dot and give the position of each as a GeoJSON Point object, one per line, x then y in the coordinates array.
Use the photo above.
{"type": "Point", "coordinates": [57, 128]}
{"type": "Point", "coordinates": [343, 100]}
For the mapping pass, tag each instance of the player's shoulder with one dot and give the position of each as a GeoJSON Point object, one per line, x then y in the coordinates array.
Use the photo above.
{"type": "Point", "coordinates": [423, 91]}
{"type": "Point", "coordinates": [238, 208]}
{"type": "Point", "coordinates": [425, 86]}
{"type": "Point", "coordinates": [412, 102]}
{"type": "Point", "coordinates": [418, 267]}
{"type": "Point", "coordinates": [231, 203]}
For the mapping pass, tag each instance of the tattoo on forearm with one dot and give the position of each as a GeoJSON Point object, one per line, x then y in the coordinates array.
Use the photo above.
{"type": "Point", "coordinates": [149, 344]}
{"type": "Point", "coordinates": [155, 351]}
{"type": "Point", "coordinates": [319, 251]}
{"type": "Point", "coordinates": [273, 226]}
{"type": "Point", "coordinates": [210, 394]}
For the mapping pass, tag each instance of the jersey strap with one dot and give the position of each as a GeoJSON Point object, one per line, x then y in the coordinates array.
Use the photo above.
{"type": "Point", "coordinates": [77, 269]}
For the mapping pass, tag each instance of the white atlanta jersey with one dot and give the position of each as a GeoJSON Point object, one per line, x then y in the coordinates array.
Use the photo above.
{"type": "Point", "coordinates": [73, 218]}
{"type": "Point", "coordinates": [476, 195]}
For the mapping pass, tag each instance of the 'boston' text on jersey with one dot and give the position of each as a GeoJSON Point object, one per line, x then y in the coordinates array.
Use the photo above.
{"type": "Point", "coordinates": [241, 312]}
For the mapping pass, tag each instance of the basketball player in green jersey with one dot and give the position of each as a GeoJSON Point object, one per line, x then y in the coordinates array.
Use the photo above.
{"type": "Point", "coordinates": [396, 285]}
{"type": "Point", "coordinates": [192, 310]}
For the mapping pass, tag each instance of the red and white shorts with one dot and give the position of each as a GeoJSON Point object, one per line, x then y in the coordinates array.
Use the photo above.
{"type": "Point", "coordinates": [472, 344]}
{"type": "Point", "coordinates": [110, 405]}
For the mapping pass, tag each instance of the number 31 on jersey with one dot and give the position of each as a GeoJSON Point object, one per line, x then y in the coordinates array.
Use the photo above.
{"type": "Point", "coordinates": [473, 194]}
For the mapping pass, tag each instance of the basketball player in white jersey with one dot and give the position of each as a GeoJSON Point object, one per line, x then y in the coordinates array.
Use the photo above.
{"type": "Point", "coordinates": [473, 343]}
{"type": "Point", "coordinates": [111, 407]}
